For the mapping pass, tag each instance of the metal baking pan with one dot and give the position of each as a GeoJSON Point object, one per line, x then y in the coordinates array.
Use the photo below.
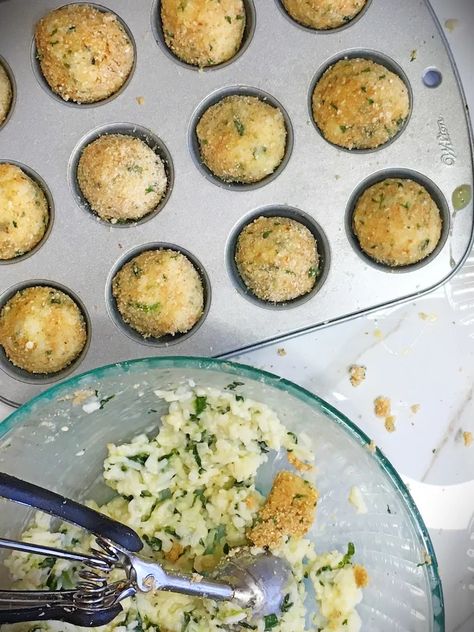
{"type": "Point", "coordinates": [281, 59]}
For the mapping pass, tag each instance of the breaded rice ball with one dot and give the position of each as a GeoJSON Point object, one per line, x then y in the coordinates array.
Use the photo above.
{"type": "Point", "coordinates": [242, 139]}
{"type": "Point", "coordinates": [203, 32]}
{"type": "Point", "coordinates": [121, 177]}
{"type": "Point", "coordinates": [42, 330]}
{"type": "Point", "coordinates": [6, 94]}
{"type": "Point", "coordinates": [24, 212]}
{"type": "Point", "coordinates": [85, 55]}
{"type": "Point", "coordinates": [159, 293]}
{"type": "Point", "coordinates": [277, 258]}
{"type": "Point", "coordinates": [359, 104]}
{"type": "Point", "coordinates": [324, 14]}
{"type": "Point", "coordinates": [397, 222]}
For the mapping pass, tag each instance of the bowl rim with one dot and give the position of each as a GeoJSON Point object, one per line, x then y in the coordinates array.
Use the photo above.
{"type": "Point", "coordinates": [282, 384]}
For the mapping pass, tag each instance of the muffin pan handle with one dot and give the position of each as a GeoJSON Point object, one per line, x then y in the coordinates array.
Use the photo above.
{"type": "Point", "coordinates": [25, 493]}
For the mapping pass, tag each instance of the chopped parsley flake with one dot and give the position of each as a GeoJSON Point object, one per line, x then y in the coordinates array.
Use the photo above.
{"type": "Point", "coordinates": [293, 436]}
{"type": "Point", "coordinates": [286, 603]}
{"type": "Point", "coordinates": [271, 621]}
{"type": "Point", "coordinates": [347, 559]}
{"type": "Point", "coordinates": [104, 400]}
{"type": "Point", "coordinates": [145, 307]}
{"type": "Point", "coordinates": [239, 126]}
{"type": "Point", "coordinates": [200, 404]}
{"type": "Point", "coordinates": [139, 458]}
{"type": "Point", "coordinates": [233, 385]}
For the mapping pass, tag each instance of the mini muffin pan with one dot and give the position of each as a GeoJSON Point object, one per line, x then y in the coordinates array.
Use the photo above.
{"type": "Point", "coordinates": [317, 183]}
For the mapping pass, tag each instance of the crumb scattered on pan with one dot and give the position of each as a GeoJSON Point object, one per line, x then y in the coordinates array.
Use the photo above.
{"type": "Point", "coordinates": [378, 334]}
{"type": "Point", "coordinates": [390, 423]}
{"type": "Point", "coordinates": [382, 406]}
{"type": "Point", "coordinates": [432, 318]}
{"type": "Point", "coordinates": [301, 466]}
{"type": "Point", "coordinates": [140, 100]}
{"type": "Point", "coordinates": [467, 438]}
{"type": "Point", "coordinates": [288, 510]}
{"type": "Point", "coordinates": [450, 24]}
{"type": "Point", "coordinates": [281, 351]}
{"type": "Point", "coordinates": [413, 54]}
{"type": "Point", "coordinates": [415, 408]}
{"type": "Point", "coordinates": [356, 499]}
{"type": "Point", "coordinates": [357, 374]}
{"type": "Point", "coordinates": [371, 447]}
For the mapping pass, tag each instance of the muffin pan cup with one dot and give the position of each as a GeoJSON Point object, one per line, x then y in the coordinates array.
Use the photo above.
{"type": "Point", "coordinates": [37, 379]}
{"type": "Point", "coordinates": [280, 59]}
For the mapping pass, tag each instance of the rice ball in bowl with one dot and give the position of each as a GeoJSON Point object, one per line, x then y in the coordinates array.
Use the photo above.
{"type": "Point", "coordinates": [24, 212]}
{"type": "Point", "coordinates": [242, 138]}
{"type": "Point", "coordinates": [358, 103]}
{"type": "Point", "coordinates": [42, 330]}
{"type": "Point", "coordinates": [121, 177]}
{"type": "Point", "coordinates": [85, 54]}
{"type": "Point", "coordinates": [323, 14]}
{"type": "Point", "coordinates": [159, 293]}
{"type": "Point", "coordinates": [277, 258]}
{"type": "Point", "coordinates": [397, 222]}
{"type": "Point", "coordinates": [203, 33]}
{"type": "Point", "coordinates": [6, 94]}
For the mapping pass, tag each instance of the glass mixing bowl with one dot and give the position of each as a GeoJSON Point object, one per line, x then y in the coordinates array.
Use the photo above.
{"type": "Point", "coordinates": [54, 442]}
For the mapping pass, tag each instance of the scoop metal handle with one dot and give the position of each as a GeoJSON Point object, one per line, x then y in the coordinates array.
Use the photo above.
{"type": "Point", "coordinates": [152, 576]}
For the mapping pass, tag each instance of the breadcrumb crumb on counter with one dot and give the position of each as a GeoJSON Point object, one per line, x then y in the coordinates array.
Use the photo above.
{"type": "Point", "coordinates": [390, 423]}
{"type": "Point", "coordinates": [415, 408]}
{"type": "Point", "coordinates": [281, 351]}
{"type": "Point", "coordinates": [467, 438]}
{"type": "Point", "coordinates": [288, 510]}
{"type": "Point", "coordinates": [357, 374]}
{"type": "Point", "coordinates": [382, 406]}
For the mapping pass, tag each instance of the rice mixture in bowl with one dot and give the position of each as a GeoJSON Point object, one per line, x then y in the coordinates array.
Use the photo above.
{"type": "Point", "coordinates": [193, 495]}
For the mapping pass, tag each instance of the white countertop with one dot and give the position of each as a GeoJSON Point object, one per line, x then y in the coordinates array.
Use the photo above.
{"type": "Point", "coordinates": [420, 353]}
